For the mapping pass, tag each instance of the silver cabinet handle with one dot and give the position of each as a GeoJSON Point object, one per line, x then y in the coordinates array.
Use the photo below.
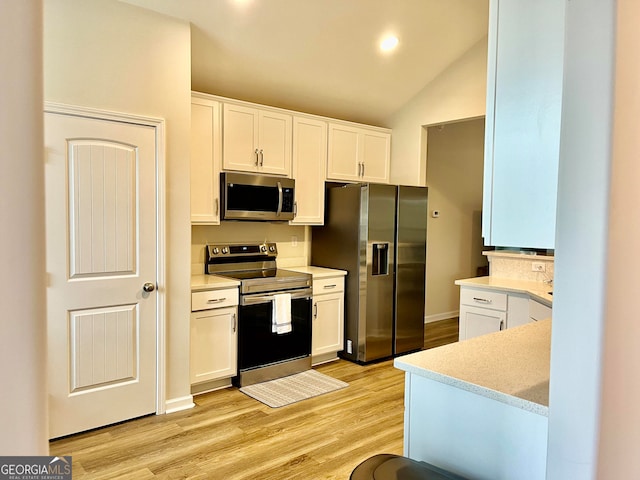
{"type": "Point", "coordinates": [315, 310]}
{"type": "Point", "coordinates": [256, 157]}
{"type": "Point", "coordinates": [501, 324]}
{"type": "Point", "coordinates": [261, 157]}
{"type": "Point", "coordinates": [363, 169]}
{"type": "Point", "coordinates": [359, 169]}
{"type": "Point", "coordinates": [217, 300]}
{"type": "Point", "coordinates": [217, 207]}
{"type": "Point", "coordinates": [234, 323]}
{"type": "Point", "coordinates": [295, 208]}
{"type": "Point", "coordinates": [330, 286]}
{"type": "Point", "coordinates": [482, 300]}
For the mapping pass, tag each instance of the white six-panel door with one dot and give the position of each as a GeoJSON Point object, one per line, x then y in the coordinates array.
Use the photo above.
{"type": "Point", "coordinates": [101, 251]}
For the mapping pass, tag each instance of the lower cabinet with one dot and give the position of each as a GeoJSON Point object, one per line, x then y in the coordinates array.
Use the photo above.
{"type": "Point", "coordinates": [328, 319]}
{"type": "Point", "coordinates": [538, 311]}
{"type": "Point", "coordinates": [214, 336]}
{"type": "Point", "coordinates": [476, 321]}
{"type": "Point", "coordinates": [213, 344]}
{"type": "Point", "coordinates": [485, 311]}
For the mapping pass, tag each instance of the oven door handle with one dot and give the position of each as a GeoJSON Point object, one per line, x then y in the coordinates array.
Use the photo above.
{"type": "Point", "coordinates": [257, 299]}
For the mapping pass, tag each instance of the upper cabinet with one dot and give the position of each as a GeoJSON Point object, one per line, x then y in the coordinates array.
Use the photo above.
{"type": "Point", "coordinates": [206, 151]}
{"type": "Point", "coordinates": [522, 131]}
{"type": "Point", "coordinates": [231, 135]}
{"type": "Point", "coordinates": [309, 166]}
{"type": "Point", "coordinates": [358, 154]}
{"type": "Point", "coordinates": [256, 140]}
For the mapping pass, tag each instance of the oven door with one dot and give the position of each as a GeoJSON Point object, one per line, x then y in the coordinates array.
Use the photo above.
{"type": "Point", "coordinates": [258, 346]}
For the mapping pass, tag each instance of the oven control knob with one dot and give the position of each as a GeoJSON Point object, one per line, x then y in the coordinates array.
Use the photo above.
{"type": "Point", "coordinates": [216, 250]}
{"type": "Point", "coordinates": [272, 248]}
{"type": "Point", "coordinates": [263, 248]}
{"type": "Point", "coordinates": [225, 250]}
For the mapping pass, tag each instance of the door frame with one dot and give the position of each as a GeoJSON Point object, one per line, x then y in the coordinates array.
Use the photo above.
{"type": "Point", "coordinates": [159, 126]}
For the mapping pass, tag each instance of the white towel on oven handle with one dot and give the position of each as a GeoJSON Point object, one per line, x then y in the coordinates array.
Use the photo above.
{"type": "Point", "coordinates": [281, 316]}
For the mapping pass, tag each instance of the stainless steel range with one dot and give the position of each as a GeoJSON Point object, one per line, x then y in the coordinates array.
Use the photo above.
{"type": "Point", "coordinates": [265, 350]}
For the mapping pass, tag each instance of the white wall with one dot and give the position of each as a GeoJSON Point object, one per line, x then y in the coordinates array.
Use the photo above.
{"type": "Point", "coordinates": [579, 320]}
{"type": "Point", "coordinates": [620, 391]}
{"type": "Point", "coordinates": [457, 93]}
{"type": "Point", "coordinates": [113, 56]}
{"type": "Point", "coordinates": [454, 239]}
{"type": "Point", "coordinates": [23, 370]}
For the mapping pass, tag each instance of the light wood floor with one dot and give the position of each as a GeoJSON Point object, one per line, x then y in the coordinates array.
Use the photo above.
{"type": "Point", "coordinates": [230, 436]}
{"type": "Point", "coordinates": [441, 332]}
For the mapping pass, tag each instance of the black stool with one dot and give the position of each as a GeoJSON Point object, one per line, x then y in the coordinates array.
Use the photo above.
{"type": "Point", "coordinates": [394, 467]}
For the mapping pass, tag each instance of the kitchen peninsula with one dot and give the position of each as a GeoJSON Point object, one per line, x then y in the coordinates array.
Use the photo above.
{"type": "Point", "coordinates": [479, 408]}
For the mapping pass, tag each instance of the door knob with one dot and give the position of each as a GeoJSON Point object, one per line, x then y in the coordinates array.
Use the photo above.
{"type": "Point", "coordinates": [148, 287]}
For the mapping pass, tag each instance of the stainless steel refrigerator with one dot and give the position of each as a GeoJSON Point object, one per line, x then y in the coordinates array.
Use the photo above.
{"type": "Point", "coordinates": [377, 233]}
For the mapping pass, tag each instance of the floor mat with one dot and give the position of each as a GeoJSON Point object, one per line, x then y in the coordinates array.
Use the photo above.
{"type": "Point", "coordinates": [294, 388]}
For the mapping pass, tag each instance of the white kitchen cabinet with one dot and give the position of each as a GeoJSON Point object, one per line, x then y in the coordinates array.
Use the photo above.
{"type": "Point", "coordinates": [309, 167]}
{"type": "Point", "coordinates": [256, 140]}
{"type": "Point", "coordinates": [358, 154]}
{"type": "Point", "coordinates": [214, 335]}
{"type": "Point", "coordinates": [517, 309]}
{"type": "Point", "coordinates": [206, 152]}
{"type": "Point", "coordinates": [481, 312]}
{"type": "Point", "coordinates": [522, 127]}
{"type": "Point", "coordinates": [538, 311]}
{"type": "Point", "coordinates": [485, 311]}
{"type": "Point", "coordinates": [327, 336]}
{"type": "Point", "coordinates": [476, 321]}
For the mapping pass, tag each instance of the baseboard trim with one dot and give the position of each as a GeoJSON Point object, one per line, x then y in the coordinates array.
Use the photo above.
{"type": "Point", "coordinates": [441, 316]}
{"type": "Point", "coordinates": [178, 404]}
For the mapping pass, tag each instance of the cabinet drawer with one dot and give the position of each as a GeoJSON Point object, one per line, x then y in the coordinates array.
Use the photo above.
{"type": "Point", "coordinates": [484, 298]}
{"type": "Point", "coordinates": [214, 299]}
{"type": "Point", "coordinates": [328, 285]}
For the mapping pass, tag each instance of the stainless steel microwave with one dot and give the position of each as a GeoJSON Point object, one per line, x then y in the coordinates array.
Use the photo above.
{"type": "Point", "coordinates": [256, 197]}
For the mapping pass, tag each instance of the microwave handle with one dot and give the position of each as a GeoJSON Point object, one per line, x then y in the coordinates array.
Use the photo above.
{"type": "Point", "coordinates": [279, 199]}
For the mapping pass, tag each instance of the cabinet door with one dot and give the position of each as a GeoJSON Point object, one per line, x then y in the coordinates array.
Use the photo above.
{"type": "Point", "coordinates": [328, 324]}
{"type": "Point", "coordinates": [522, 134]}
{"type": "Point", "coordinates": [240, 138]}
{"type": "Point", "coordinates": [213, 344]}
{"type": "Point", "coordinates": [274, 143]}
{"type": "Point", "coordinates": [376, 152]}
{"type": "Point", "coordinates": [309, 165]}
{"type": "Point", "coordinates": [343, 160]}
{"type": "Point", "coordinates": [476, 321]}
{"type": "Point", "coordinates": [206, 150]}
{"type": "Point", "coordinates": [518, 310]}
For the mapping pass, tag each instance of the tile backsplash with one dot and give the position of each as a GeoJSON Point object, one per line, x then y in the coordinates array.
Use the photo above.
{"type": "Point", "coordinates": [293, 242]}
{"type": "Point", "coordinates": [519, 266]}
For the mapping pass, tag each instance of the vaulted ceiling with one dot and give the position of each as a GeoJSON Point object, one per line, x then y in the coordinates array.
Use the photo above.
{"type": "Point", "coordinates": [322, 56]}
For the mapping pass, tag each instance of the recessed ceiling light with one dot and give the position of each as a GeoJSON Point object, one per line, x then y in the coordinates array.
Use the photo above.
{"type": "Point", "coordinates": [388, 43]}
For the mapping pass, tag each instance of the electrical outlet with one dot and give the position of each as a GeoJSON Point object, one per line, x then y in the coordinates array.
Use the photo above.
{"type": "Point", "coordinates": [538, 267]}
{"type": "Point", "coordinates": [294, 240]}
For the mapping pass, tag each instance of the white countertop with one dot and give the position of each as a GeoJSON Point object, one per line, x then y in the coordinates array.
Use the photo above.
{"type": "Point", "coordinates": [511, 366]}
{"type": "Point", "coordinates": [212, 282]}
{"type": "Point", "coordinates": [317, 272]}
{"type": "Point", "coordinates": [537, 290]}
